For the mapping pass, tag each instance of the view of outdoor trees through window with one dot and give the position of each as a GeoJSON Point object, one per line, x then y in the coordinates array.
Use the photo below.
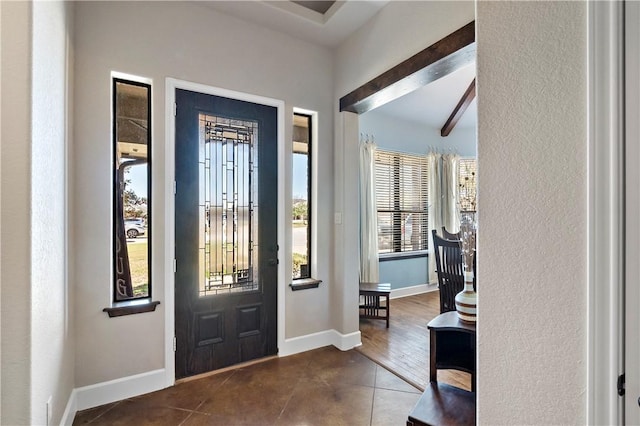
{"type": "Point", "coordinates": [301, 196]}
{"type": "Point", "coordinates": [132, 138]}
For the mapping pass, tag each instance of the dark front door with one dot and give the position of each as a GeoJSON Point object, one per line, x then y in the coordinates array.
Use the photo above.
{"type": "Point", "coordinates": [226, 232]}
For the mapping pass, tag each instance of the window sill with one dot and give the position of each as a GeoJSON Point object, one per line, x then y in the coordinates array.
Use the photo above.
{"type": "Point", "coordinates": [131, 307]}
{"type": "Point", "coordinates": [403, 255]}
{"type": "Point", "coordinates": [304, 284]}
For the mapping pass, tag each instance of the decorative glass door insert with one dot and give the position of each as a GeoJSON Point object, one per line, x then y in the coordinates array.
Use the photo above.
{"type": "Point", "coordinates": [228, 211]}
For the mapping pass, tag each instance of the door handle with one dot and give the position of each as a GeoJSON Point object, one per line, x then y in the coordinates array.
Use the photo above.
{"type": "Point", "coordinates": [273, 262]}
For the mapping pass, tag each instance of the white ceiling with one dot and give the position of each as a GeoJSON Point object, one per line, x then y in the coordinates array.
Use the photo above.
{"type": "Point", "coordinates": [433, 104]}
{"type": "Point", "coordinates": [430, 105]}
{"type": "Point", "coordinates": [329, 29]}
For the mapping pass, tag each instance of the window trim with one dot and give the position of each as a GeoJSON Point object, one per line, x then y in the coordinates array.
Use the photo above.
{"type": "Point", "coordinates": [145, 303]}
{"type": "Point", "coordinates": [402, 255]}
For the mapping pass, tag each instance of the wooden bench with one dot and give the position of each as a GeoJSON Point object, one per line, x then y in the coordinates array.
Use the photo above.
{"type": "Point", "coordinates": [371, 306]}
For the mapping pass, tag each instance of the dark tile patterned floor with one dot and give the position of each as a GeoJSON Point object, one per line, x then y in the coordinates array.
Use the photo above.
{"type": "Point", "coordinates": [321, 387]}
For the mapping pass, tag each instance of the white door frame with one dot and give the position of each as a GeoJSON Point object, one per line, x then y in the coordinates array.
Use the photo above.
{"type": "Point", "coordinates": [169, 289]}
{"type": "Point", "coordinates": [605, 210]}
{"type": "Point", "coordinates": [632, 224]}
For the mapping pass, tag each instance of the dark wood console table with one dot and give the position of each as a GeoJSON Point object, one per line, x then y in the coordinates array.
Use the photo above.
{"type": "Point", "coordinates": [452, 346]}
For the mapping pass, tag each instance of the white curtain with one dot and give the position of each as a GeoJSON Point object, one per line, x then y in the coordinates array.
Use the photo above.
{"type": "Point", "coordinates": [434, 209]}
{"type": "Point", "coordinates": [369, 264]}
{"type": "Point", "coordinates": [450, 193]}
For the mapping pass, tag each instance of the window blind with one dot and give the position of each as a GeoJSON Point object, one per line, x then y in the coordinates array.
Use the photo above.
{"type": "Point", "coordinates": [401, 199]}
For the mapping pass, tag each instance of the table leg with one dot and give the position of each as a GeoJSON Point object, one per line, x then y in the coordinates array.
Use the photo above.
{"type": "Point", "coordinates": [387, 310]}
{"type": "Point", "coordinates": [433, 373]}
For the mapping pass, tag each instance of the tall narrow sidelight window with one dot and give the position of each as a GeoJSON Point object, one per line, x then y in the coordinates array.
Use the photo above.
{"type": "Point", "coordinates": [301, 219]}
{"type": "Point", "coordinates": [131, 190]}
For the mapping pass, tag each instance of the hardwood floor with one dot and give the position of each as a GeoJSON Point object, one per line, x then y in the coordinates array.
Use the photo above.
{"type": "Point", "coordinates": [403, 348]}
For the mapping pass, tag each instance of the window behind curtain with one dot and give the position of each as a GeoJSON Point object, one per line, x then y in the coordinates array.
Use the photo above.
{"type": "Point", "coordinates": [467, 185]}
{"type": "Point", "coordinates": [401, 199]}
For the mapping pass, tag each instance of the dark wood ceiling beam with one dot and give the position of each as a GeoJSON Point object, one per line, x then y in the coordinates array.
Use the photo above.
{"type": "Point", "coordinates": [459, 110]}
{"type": "Point", "coordinates": [441, 58]}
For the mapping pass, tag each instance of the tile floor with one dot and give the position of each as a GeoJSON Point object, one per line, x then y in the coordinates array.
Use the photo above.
{"type": "Point", "coordinates": [321, 387]}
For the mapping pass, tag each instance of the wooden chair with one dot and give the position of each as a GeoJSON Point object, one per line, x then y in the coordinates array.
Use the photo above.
{"type": "Point", "coordinates": [449, 269]}
{"type": "Point", "coordinates": [449, 236]}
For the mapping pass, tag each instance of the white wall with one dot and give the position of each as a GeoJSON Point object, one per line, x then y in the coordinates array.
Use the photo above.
{"type": "Point", "coordinates": [532, 241]}
{"type": "Point", "coordinates": [409, 136]}
{"type": "Point", "coordinates": [397, 32]}
{"type": "Point", "coordinates": [193, 42]}
{"type": "Point", "coordinates": [52, 333]}
{"type": "Point", "coordinates": [15, 240]}
{"type": "Point", "coordinates": [37, 334]}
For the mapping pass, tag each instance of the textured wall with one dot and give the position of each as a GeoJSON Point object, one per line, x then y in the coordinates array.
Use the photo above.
{"type": "Point", "coordinates": [14, 217]}
{"type": "Point", "coordinates": [52, 335]}
{"type": "Point", "coordinates": [532, 242]}
{"type": "Point", "coordinates": [193, 42]}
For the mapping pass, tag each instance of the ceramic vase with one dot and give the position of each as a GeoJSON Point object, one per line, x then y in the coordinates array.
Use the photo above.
{"type": "Point", "coordinates": [467, 300]}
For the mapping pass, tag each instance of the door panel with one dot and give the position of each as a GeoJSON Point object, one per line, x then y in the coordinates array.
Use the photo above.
{"type": "Point", "coordinates": [226, 232]}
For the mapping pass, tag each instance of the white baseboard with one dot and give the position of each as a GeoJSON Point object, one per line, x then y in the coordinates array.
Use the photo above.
{"type": "Point", "coordinates": [71, 410]}
{"type": "Point", "coordinates": [344, 342]}
{"type": "Point", "coordinates": [127, 387]}
{"type": "Point", "coordinates": [413, 290]}
{"type": "Point", "coordinates": [118, 389]}
{"type": "Point", "coordinates": [312, 341]}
